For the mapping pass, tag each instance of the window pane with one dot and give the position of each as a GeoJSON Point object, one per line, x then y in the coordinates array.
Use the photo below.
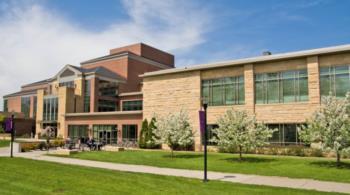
{"type": "Point", "coordinates": [259, 92]}
{"type": "Point", "coordinates": [272, 88]}
{"type": "Point", "coordinates": [288, 86]}
{"type": "Point", "coordinates": [342, 84]}
{"type": "Point", "coordinates": [303, 89]}
{"type": "Point", "coordinates": [217, 93]}
{"type": "Point", "coordinates": [241, 95]}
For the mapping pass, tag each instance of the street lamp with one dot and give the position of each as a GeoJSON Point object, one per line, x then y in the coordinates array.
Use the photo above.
{"type": "Point", "coordinates": [205, 106]}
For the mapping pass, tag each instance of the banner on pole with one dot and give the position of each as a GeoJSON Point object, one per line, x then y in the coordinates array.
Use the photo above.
{"type": "Point", "coordinates": [8, 125]}
{"type": "Point", "coordinates": [202, 121]}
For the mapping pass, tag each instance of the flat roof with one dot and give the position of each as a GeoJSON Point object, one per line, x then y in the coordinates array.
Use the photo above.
{"type": "Point", "coordinates": [273, 57]}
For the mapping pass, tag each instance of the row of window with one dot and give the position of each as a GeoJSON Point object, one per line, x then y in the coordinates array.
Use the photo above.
{"type": "Point", "coordinates": [25, 106]}
{"type": "Point", "coordinates": [277, 87]}
{"type": "Point", "coordinates": [103, 133]}
{"type": "Point", "coordinates": [87, 94]}
{"type": "Point", "coordinates": [286, 134]}
{"type": "Point", "coordinates": [132, 105]}
{"type": "Point", "coordinates": [69, 84]}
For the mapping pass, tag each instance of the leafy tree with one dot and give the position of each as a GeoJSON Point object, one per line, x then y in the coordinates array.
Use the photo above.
{"type": "Point", "coordinates": [330, 125]}
{"type": "Point", "coordinates": [2, 118]}
{"type": "Point", "coordinates": [174, 130]}
{"type": "Point", "coordinates": [144, 130]}
{"type": "Point", "coordinates": [151, 137]}
{"type": "Point", "coordinates": [238, 130]}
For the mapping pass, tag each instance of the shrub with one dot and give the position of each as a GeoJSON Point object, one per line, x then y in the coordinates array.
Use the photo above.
{"type": "Point", "coordinates": [26, 147]}
{"type": "Point", "coordinates": [57, 143]}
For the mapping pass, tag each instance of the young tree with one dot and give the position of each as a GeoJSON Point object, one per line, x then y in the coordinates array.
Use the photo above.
{"type": "Point", "coordinates": [238, 130]}
{"type": "Point", "coordinates": [174, 130]}
{"type": "Point", "coordinates": [150, 136]}
{"type": "Point", "coordinates": [330, 125]}
{"type": "Point", "coordinates": [144, 131]}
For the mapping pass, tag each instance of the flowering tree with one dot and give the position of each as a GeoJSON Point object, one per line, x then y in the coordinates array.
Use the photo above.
{"type": "Point", "coordinates": [174, 130]}
{"type": "Point", "coordinates": [238, 130]}
{"type": "Point", "coordinates": [330, 126]}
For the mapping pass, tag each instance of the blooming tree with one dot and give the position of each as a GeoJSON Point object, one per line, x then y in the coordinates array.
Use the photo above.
{"type": "Point", "coordinates": [238, 130]}
{"type": "Point", "coordinates": [330, 126]}
{"type": "Point", "coordinates": [174, 130]}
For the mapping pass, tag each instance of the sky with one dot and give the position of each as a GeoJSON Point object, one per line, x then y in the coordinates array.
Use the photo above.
{"type": "Point", "coordinates": [39, 37]}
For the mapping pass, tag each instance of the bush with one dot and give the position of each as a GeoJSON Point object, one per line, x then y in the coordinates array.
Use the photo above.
{"type": "Point", "coordinates": [26, 147]}
{"type": "Point", "coordinates": [57, 143]}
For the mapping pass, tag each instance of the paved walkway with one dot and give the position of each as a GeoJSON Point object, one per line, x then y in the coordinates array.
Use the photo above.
{"type": "Point", "coordinates": [307, 184]}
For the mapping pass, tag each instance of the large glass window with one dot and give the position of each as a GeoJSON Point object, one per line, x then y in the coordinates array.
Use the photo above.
{"type": "Point", "coordinates": [335, 80]}
{"type": "Point", "coordinates": [78, 131]}
{"type": "Point", "coordinates": [50, 109]}
{"type": "Point", "coordinates": [6, 109]}
{"type": "Point", "coordinates": [281, 87]}
{"type": "Point", "coordinates": [87, 93]}
{"type": "Point", "coordinates": [105, 133]}
{"type": "Point", "coordinates": [285, 134]}
{"type": "Point", "coordinates": [25, 106]}
{"type": "Point", "coordinates": [107, 105]}
{"type": "Point", "coordinates": [132, 105]}
{"type": "Point", "coordinates": [223, 91]}
{"type": "Point", "coordinates": [35, 99]}
{"type": "Point", "coordinates": [130, 133]}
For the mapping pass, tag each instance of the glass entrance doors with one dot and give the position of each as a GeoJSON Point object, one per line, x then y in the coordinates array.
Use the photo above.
{"type": "Point", "coordinates": [107, 134]}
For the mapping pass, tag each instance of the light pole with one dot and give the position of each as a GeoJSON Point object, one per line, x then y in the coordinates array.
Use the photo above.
{"type": "Point", "coordinates": [205, 106]}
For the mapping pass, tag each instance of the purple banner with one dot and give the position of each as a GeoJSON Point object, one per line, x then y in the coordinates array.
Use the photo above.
{"type": "Point", "coordinates": [8, 125]}
{"type": "Point", "coordinates": [202, 121]}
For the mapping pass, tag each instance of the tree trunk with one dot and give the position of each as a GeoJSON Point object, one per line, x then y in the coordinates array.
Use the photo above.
{"type": "Point", "coordinates": [338, 158]}
{"type": "Point", "coordinates": [240, 153]}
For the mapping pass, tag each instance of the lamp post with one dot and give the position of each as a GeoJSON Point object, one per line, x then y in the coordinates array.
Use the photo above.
{"type": "Point", "coordinates": [205, 106]}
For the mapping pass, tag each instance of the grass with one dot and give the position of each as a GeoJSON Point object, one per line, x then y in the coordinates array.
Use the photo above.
{"type": "Point", "coordinates": [23, 176]}
{"type": "Point", "coordinates": [294, 167]}
{"type": "Point", "coordinates": [4, 143]}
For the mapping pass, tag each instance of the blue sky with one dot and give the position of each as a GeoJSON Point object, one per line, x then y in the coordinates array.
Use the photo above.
{"type": "Point", "coordinates": [51, 33]}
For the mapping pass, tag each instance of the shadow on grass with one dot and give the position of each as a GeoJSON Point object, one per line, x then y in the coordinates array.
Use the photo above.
{"type": "Point", "coordinates": [184, 156]}
{"type": "Point", "coordinates": [331, 164]}
{"type": "Point", "coordinates": [248, 160]}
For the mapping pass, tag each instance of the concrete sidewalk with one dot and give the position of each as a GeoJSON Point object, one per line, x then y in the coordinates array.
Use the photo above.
{"type": "Point", "coordinates": [307, 184]}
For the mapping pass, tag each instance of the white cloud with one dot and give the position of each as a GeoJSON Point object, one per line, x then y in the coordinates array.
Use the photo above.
{"type": "Point", "coordinates": [37, 42]}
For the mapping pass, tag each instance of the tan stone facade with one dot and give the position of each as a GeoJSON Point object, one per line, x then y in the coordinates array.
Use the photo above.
{"type": "Point", "coordinates": [181, 89]}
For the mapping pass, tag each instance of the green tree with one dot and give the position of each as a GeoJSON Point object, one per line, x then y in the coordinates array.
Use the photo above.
{"type": "Point", "coordinates": [238, 130]}
{"type": "Point", "coordinates": [2, 118]}
{"type": "Point", "coordinates": [144, 131]}
{"type": "Point", "coordinates": [151, 136]}
{"type": "Point", "coordinates": [330, 125]}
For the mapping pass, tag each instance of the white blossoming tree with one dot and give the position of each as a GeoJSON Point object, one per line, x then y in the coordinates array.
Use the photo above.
{"type": "Point", "coordinates": [330, 125]}
{"type": "Point", "coordinates": [238, 130]}
{"type": "Point", "coordinates": [174, 130]}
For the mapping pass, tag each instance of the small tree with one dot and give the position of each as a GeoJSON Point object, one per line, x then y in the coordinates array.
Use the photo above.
{"type": "Point", "coordinates": [174, 130]}
{"type": "Point", "coordinates": [48, 133]}
{"type": "Point", "coordinates": [238, 130]}
{"type": "Point", "coordinates": [2, 118]}
{"type": "Point", "coordinates": [151, 137]}
{"type": "Point", "coordinates": [330, 125]}
{"type": "Point", "coordinates": [144, 130]}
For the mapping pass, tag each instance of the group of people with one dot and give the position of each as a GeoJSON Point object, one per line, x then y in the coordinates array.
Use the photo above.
{"type": "Point", "coordinates": [82, 142]}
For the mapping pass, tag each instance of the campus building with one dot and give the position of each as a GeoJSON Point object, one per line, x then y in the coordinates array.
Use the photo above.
{"type": "Point", "coordinates": [100, 98]}
{"type": "Point", "coordinates": [281, 90]}
{"type": "Point", "coordinates": [108, 97]}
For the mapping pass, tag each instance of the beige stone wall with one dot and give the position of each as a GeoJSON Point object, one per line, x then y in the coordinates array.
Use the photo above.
{"type": "Point", "coordinates": [79, 96]}
{"type": "Point", "coordinates": [39, 110]}
{"type": "Point", "coordinates": [171, 93]}
{"type": "Point", "coordinates": [65, 105]}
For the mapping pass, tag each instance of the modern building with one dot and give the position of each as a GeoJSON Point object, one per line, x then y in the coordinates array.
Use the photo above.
{"type": "Point", "coordinates": [281, 90]}
{"type": "Point", "coordinates": [109, 96]}
{"type": "Point", "coordinates": [100, 98]}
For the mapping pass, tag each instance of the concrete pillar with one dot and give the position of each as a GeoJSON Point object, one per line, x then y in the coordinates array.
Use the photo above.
{"type": "Point", "coordinates": [39, 110]}
{"type": "Point", "coordinates": [249, 88]}
{"type": "Point", "coordinates": [313, 70]}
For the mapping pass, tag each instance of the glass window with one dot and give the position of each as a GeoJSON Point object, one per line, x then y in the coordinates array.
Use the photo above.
{"type": "Point", "coordinates": [5, 105]}
{"type": "Point", "coordinates": [335, 80]}
{"type": "Point", "coordinates": [25, 106]}
{"type": "Point", "coordinates": [285, 134]}
{"type": "Point", "coordinates": [281, 87]}
{"type": "Point", "coordinates": [50, 109]}
{"type": "Point", "coordinates": [105, 133]}
{"type": "Point", "coordinates": [78, 131]}
{"type": "Point", "coordinates": [34, 106]}
{"type": "Point", "coordinates": [129, 133]}
{"type": "Point", "coordinates": [69, 84]}
{"type": "Point", "coordinates": [132, 105]}
{"type": "Point", "coordinates": [223, 91]}
{"type": "Point", "coordinates": [107, 105]}
{"type": "Point", "coordinates": [87, 95]}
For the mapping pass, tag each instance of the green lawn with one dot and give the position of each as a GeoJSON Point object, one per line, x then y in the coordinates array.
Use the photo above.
{"type": "Point", "coordinates": [294, 167]}
{"type": "Point", "coordinates": [23, 176]}
{"type": "Point", "coordinates": [4, 143]}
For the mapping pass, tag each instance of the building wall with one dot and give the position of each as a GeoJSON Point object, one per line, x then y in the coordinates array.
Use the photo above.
{"type": "Point", "coordinates": [171, 92]}
{"type": "Point", "coordinates": [14, 104]}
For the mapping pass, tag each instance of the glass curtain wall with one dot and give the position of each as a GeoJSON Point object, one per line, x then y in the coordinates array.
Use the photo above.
{"type": "Point", "coordinates": [50, 109]}
{"type": "Point", "coordinates": [25, 106]}
{"type": "Point", "coordinates": [76, 132]}
{"type": "Point", "coordinates": [281, 87]}
{"type": "Point", "coordinates": [223, 91]}
{"type": "Point", "coordinates": [335, 80]}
